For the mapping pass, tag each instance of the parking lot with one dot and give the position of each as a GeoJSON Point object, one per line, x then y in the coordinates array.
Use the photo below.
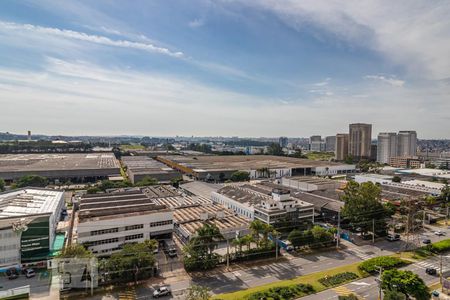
{"type": "Point", "coordinates": [39, 285]}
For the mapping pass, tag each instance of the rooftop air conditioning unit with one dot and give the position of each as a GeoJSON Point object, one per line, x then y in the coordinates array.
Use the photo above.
{"type": "Point", "coordinates": [220, 215]}
{"type": "Point", "coordinates": [204, 216]}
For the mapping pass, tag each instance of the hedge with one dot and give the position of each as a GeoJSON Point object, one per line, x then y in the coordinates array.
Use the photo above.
{"type": "Point", "coordinates": [337, 279]}
{"type": "Point", "coordinates": [348, 297]}
{"type": "Point", "coordinates": [386, 262]}
{"type": "Point", "coordinates": [283, 292]}
{"type": "Point", "coordinates": [438, 247]}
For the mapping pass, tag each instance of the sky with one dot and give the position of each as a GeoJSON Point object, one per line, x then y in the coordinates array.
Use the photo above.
{"type": "Point", "coordinates": [224, 68]}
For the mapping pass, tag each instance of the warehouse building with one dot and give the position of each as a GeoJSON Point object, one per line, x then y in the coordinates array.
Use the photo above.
{"type": "Point", "coordinates": [309, 184]}
{"type": "Point", "coordinates": [220, 168]}
{"type": "Point", "coordinates": [139, 167]}
{"type": "Point", "coordinates": [59, 167]}
{"type": "Point", "coordinates": [248, 201]}
{"type": "Point", "coordinates": [28, 222]}
{"type": "Point", "coordinates": [105, 222]}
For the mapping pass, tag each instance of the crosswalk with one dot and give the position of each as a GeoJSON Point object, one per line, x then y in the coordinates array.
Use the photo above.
{"type": "Point", "coordinates": [128, 294]}
{"type": "Point", "coordinates": [435, 265]}
{"type": "Point", "coordinates": [360, 253]}
{"type": "Point", "coordinates": [344, 291]}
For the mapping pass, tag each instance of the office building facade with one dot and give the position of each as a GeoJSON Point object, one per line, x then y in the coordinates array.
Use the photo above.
{"type": "Point", "coordinates": [360, 140]}
{"type": "Point", "coordinates": [407, 143]}
{"type": "Point", "coordinates": [330, 143]}
{"type": "Point", "coordinates": [341, 146]}
{"type": "Point", "coordinates": [387, 147]}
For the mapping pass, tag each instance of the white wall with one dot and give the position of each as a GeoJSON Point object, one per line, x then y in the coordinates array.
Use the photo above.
{"type": "Point", "coordinates": [237, 207]}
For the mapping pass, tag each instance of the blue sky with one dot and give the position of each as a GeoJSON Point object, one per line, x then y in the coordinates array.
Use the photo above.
{"type": "Point", "coordinates": [247, 68]}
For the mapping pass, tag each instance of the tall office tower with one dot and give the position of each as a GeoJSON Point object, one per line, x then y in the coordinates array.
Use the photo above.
{"type": "Point", "coordinates": [341, 146]}
{"type": "Point", "coordinates": [283, 141]}
{"type": "Point", "coordinates": [407, 143]}
{"type": "Point", "coordinates": [360, 139]}
{"type": "Point", "coordinates": [315, 143]}
{"type": "Point", "coordinates": [387, 147]}
{"type": "Point", "coordinates": [330, 143]}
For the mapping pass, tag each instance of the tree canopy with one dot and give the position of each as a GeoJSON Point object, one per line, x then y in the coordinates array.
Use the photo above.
{"type": "Point", "coordinates": [196, 292]}
{"type": "Point", "coordinates": [75, 251]}
{"type": "Point", "coordinates": [146, 181]}
{"type": "Point", "coordinates": [405, 282]}
{"type": "Point", "coordinates": [240, 176]}
{"type": "Point", "coordinates": [275, 149]}
{"type": "Point", "coordinates": [2, 185]}
{"type": "Point", "coordinates": [363, 205]}
{"type": "Point", "coordinates": [33, 181]}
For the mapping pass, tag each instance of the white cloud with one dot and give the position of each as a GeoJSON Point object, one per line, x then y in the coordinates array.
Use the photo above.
{"type": "Point", "coordinates": [414, 34]}
{"type": "Point", "coordinates": [76, 35]}
{"type": "Point", "coordinates": [389, 80]}
{"type": "Point", "coordinates": [77, 97]}
{"type": "Point", "coordinates": [196, 23]}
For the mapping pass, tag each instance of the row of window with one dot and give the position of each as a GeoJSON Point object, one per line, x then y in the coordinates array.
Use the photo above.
{"type": "Point", "coordinates": [134, 237]}
{"type": "Point", "coordinates": [131, 227]}
{"type": "Point", "coordinates": [102, 242]}
{"type": "Point", "coordinates": [134, 227]}
{"type": "Point", "coordinates": [7, 235]}
{"type": "Point", "coordinates": [5, 260]}
{"type": "Point", "coordinates": [161, 223]}
{"type": "Point", "coordinates": [105, 231]}
{"type": "Point", "coordinates": [8, 247]}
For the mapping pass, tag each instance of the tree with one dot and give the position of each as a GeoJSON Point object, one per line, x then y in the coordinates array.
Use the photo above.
{"type": "Point", "coordinates": [275, 149]}
{"type": "Point", "coordinates": [363, 205]}
{"type": "Point", "coordinates": [75, 251]}
{"type": "Point", "coordinates": [146, 181]}
{"type": "Point", "coordinates": [196, 292]}
{"type": "Point", "coordinates": [349, 159]}
{"type": "Point", "coordinates": [393, 295]}
{"type": "Point", "coordinates": [240, 176]}
{"type": "Point", "coordinates": [175, 182]}
{"type": "Point", "coordinates": [133, 262]}
{"type": "Point", "coordinates": [321, 235]}
{"type": "Point", "coordinates": [2, 185]}
{"type": "Point", "coordinates": [152, 244]}
{"type": "Point", "coordinates": [445, 193]}
{"type": "Point", "coordinates": [296, 237]}
{"type": "Point", "coordinates": [405, 282]}
{"type": "Point", "coordinates": [257, 227]}
{"type": "Point", "coordinates": [396, 179]}
{"type": "Point", "coordinates": [199, 252]}
{"type": "Point", "coordinates": [32, 181]}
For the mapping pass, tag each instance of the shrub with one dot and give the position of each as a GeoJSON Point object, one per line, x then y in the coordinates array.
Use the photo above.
{"type": "Point", "coordinates": [283, 292]}
{"type": "Point", "coordinates": [338, 279]}
{"type": "Point", "coordinates": [386, 262]}
{"type": "Point", "coordinates": [441, 246]}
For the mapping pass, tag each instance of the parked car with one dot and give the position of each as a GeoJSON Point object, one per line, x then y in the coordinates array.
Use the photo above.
{"type": "Point", "coordinates": [393, 237]}
{"type": "Point", "coordinates": [426, 241]}
{"type": "Point", "coordinates": [431, 271]}
{"type": "Point", "coordinates": [161, 291]}
{"type": "Point", "coordinates": [29, 273]}
{"type": "Point", "coordinates": [170, 248]}
{"type": "Point", "coordinates": [439, 233]}
{"type": "Point", "coordinates": [12, 273]}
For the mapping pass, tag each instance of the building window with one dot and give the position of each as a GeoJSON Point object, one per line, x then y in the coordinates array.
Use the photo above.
{"type": "Point", "coordinates": [134, 227]}
{"type": "Point", "coordinates": [161, 223]}
{"type": "Point", "coordinates": [134, 237]}
{"type": "Point", "coordinates": [101, 242]}
{"type": "Point", "coordinates": [104, 231]}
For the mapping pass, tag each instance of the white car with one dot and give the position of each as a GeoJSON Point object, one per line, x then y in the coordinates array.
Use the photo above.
{"type": "Point", "coordinates": [439, 233]}
{"type": "Point", "coordinates": [161, 291]}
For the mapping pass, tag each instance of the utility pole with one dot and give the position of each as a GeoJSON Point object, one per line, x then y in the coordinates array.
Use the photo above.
{"type": "Point", "coordinates": [440, 269]}
{"type": "Point", "coordinates": [338, 230]}
{"type": "Point", "coordinates": [380, 293]}
{"type": "Point", "coordinates": [276, 247]}
{"type": "Point", "coordinates": [446, 212]}
{"type": "Point", "coordinates": [228, 253]}
{"type": "Point", "coordinates": [92, 277]}
{"type": "Point", "coordinates": [373, 231]}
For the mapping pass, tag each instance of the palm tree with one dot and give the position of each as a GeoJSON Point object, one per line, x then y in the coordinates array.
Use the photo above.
{"type": "Point", "coordinates": [248, 240]}
{"type": "Point", "coordinates": [266, 230]}
{"type": "Point", "coordinates": [257, 227]}
{"type": "Point", "coordinates": [239, 242]}
{"type": "Point", "coordinates": [208, 235]}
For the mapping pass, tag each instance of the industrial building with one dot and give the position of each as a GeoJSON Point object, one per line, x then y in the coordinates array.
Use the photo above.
{"type": "Point", "coordinates": [28, 222]}
{"type": "Point", "coordinates": [220, 168]}
{"type": "Point", "coordinates": [249, 202]}
{"type": "Point", "coordinates": [309, 184]}
{"type": "Point", "coordinates": [139, 167]}
{"type": "Point", "coordinates": [75, 167]}
{"type": "Point", "coordinates": [107, 221]}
